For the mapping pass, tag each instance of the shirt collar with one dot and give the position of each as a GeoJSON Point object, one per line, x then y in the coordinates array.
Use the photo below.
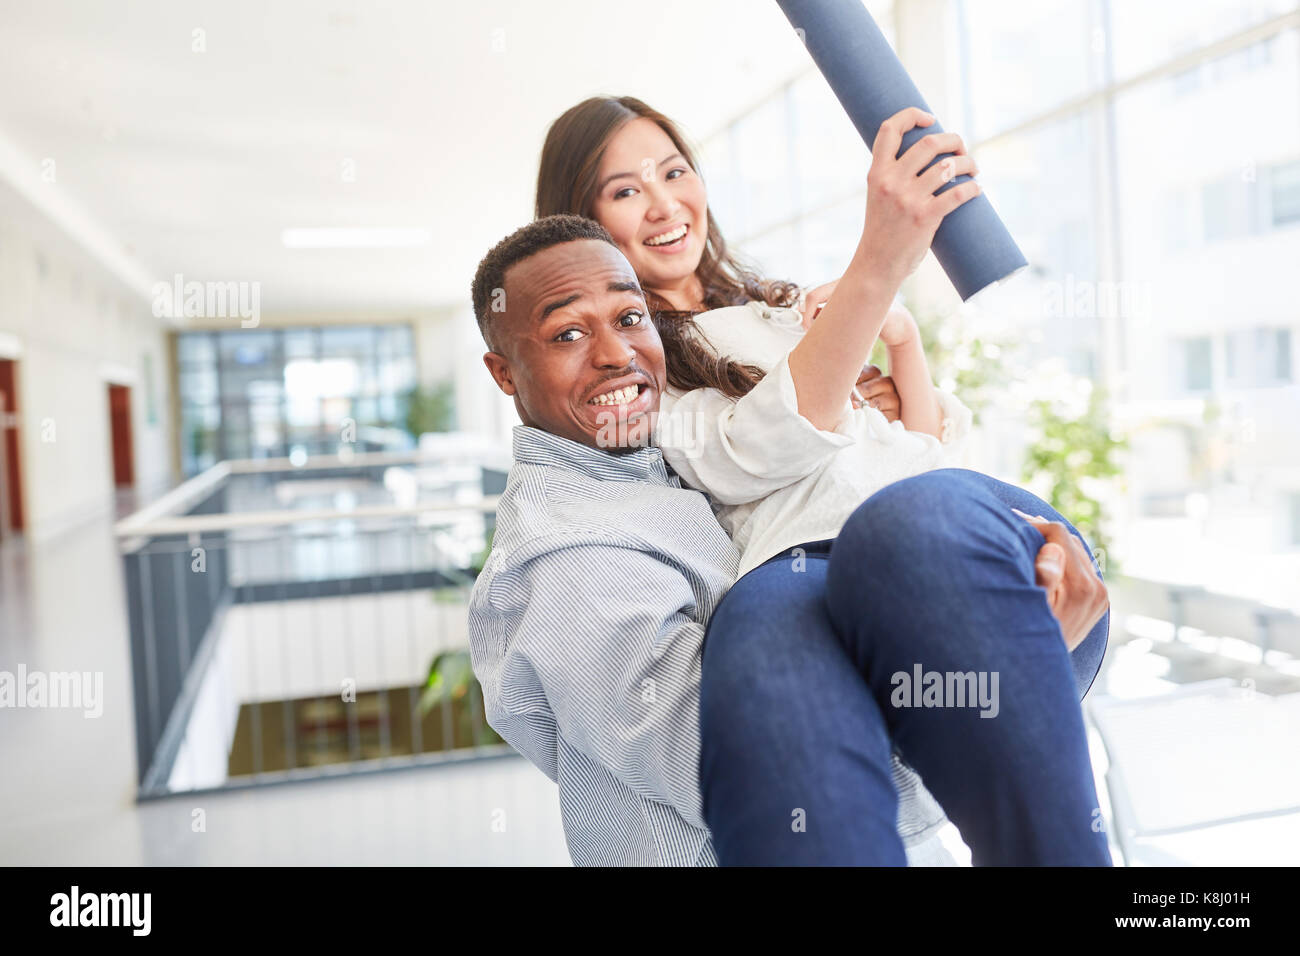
{"type": "Point", "coordinates": [536, 447]}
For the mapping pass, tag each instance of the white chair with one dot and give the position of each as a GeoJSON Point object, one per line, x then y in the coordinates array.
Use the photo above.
{"type": "Point", "coordinates": [1208, 774]}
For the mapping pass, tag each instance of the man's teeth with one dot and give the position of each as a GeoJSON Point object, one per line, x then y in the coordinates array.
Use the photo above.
{"type": "Point", "coordinates": [620, 397]}
{"type": "Point", "coordinates": [668, 236]}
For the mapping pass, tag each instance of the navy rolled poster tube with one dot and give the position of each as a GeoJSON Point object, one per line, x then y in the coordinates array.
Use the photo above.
{"type": "Point", "coordinates": [971, 244]}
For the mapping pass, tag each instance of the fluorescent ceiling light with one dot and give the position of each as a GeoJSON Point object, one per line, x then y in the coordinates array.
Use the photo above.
{"type": "Point", "coordinates": [354, 238]}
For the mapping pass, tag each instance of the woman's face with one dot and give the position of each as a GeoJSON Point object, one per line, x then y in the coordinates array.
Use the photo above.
{"type": "Point", "coordinates": [654, 205]}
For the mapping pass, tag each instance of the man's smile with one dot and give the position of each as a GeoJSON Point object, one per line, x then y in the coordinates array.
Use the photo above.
{"type": "Point", "coordinates": [620, 391]}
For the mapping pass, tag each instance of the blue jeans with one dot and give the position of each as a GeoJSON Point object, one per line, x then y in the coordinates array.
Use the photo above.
{"type": "Point", "coordinates": [805, 689]}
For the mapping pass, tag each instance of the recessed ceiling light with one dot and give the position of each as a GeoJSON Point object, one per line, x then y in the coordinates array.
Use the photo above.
{"type": "Point", "coordinates": [355, 238]}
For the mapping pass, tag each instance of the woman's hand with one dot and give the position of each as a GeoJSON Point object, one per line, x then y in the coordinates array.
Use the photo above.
{"type": "Point", "coordinates": [814, 299]}
{"type": "Point", "coordinates": [876, 389]}
{"type": "Point", "coordinates": [903, 213]}
{"type": "Point", "coordinates": [902, 216]}
{"type": "Point", "coordinates": [899, 328]}
{"type": "Point", "coordinates": [1077, 597]}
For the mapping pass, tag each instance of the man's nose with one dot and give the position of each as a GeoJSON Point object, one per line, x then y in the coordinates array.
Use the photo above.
{"type": "Point", "coordinates": [611, 350]}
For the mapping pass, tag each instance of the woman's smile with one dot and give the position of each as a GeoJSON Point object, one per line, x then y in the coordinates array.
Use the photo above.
{"type": "Point", "coordinates": [669, 240]}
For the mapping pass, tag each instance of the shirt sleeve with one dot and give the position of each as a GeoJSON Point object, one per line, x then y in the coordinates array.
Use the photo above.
{"type": "Point", "coordinates": [740, 450]}
{"type": "Point", "coordinates": [604, 653]}
{"type": "Point", "coordinates": [956, 425]}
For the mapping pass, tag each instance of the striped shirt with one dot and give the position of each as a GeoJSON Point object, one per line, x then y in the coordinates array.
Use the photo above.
{"type": "Point", "coordinates": [586, 627]}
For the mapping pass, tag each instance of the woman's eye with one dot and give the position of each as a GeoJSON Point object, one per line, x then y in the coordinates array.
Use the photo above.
{"type": "Point", "coordinates": [562, 336]}
{"type": "Point", "coordinates": [635, 317]}
{"type": "Point", "coordinates": [675, 173]}
{"type": "Point", "coordinates": [625, 191]}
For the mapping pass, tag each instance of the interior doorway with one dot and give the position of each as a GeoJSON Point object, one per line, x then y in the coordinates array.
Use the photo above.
{"type": "Point", "coordinates": [11, 493]}
{"type": "Point", "coordinates": [119, 422]}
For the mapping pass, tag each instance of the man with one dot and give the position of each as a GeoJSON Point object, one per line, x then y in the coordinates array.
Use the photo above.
{"type": "Point", "coordinates": [588, 619]}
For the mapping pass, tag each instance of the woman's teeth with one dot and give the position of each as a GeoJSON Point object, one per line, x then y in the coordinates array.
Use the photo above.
{"type": "Point", "coordinates": [620, 397]}
{"type": "Point", "coordinates": [667, 237]}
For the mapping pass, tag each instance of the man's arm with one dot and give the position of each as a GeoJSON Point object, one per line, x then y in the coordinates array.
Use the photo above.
{"type": "Point", "coordinates": [604, 650]}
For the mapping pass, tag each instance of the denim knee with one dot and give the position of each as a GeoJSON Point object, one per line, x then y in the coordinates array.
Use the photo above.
{"type": "Point", "coordinates": [916, 527]}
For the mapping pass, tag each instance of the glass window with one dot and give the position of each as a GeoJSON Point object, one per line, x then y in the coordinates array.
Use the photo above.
{"type": "Point", "coordinates": [246, 350]}
{"type": "Point", "coordinates": [301, 343]}
{"type": "Point", "coordinates": [196, 347]}
{"type": "Point", "coordinates": [1156, 247]}
{"type": "Point", "coordinates": [1196, 364]}
{"type": "Point", "coordinates": [1228, 208]}
{"type": "Point", "coordinates": [1285, 194]}
{"type": "Point", "coordinates": [1256, 357]}
{"type": "Point", "coordinates": [766, 183]}
{"type": "Point", "coordinates": [1043, 185]}
{"type": "Point", "coordinates": [775, 254]}
{"type": "Point", "coordinates": [262, 393]}
{"type": "Point", "coordinates": [1259, 357]}
{"type": "Point", "coordinates": [722, 183]}
{"type": "Point", "coordinates": [830, 157]}
{"type": "Point", "coordinates": [1024, 59]}
{"type": "Point", "coordinates": [346, 341]}
{"type": "Point", "coordinates": [829, 238]}
{"type": "Point", "coordinates": [1282, 355]}
{"type": "Point", "coordinates": [198, 382]}
{"type": "Point", "coordinates": [1146, 33]}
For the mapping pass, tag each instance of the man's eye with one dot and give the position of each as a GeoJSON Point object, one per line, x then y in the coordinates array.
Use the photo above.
{"type": "Point", "coordinates": [635, 317]}
{"type": "Point", "coordinates": [562, 336]}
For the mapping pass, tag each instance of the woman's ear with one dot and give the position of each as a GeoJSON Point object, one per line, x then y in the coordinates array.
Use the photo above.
{"type": "Point", "coordinates": [496, 364]}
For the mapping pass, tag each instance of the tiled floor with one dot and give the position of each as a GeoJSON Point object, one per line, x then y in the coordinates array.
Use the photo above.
{"type": "Point", "coordinates": [68, 788]}
{"type": "Point", "coordinates": [67, 795]}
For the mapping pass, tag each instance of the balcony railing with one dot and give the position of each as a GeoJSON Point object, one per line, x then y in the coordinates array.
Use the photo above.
{"type": "Point", "coordinates": [283, 618]}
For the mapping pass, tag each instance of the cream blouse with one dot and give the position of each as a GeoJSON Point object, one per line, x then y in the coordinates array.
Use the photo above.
{"type": "Point", "coordinates": [776, 480]}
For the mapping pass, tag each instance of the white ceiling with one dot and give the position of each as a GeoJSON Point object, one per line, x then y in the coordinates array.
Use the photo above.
{"type": "Point", "coordinates": [193, 163]}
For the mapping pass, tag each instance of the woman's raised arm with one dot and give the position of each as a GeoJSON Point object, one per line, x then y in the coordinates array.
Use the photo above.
{"type": "Point", "coordinates": [902, 216]}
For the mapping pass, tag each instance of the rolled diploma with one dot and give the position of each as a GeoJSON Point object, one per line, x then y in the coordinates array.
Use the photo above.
{"type": "Point", "coordinates": [971, 244]}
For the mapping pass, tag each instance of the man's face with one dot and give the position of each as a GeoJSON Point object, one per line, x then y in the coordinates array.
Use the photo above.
{"type": "Point", "coordinates": [578, 350]}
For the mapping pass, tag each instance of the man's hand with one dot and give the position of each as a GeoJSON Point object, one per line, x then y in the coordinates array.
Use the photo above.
{"type": "Point", "coordinates": [1076, 595]}
{"type": "Point", "coordinates": [876, 389]}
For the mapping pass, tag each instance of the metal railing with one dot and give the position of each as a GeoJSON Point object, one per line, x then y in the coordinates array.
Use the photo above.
{"type": "Point", "coordinates": [1185, 606]}
{"type": "Point", "coordinates": [284, 643]}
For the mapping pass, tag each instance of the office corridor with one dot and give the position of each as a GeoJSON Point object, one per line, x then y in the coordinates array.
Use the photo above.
{"type": "Point", "coordinates": [62, 608]}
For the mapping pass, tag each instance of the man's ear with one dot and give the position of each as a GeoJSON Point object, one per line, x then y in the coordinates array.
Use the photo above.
{"type": "Point", "coordinates": [496, 364]}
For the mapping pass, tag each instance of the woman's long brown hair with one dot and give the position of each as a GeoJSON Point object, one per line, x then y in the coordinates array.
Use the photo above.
{"type": "Point", "coordinates": [566, 183]}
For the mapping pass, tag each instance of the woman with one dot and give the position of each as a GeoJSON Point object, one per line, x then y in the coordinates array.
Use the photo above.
{"type": "Point", "coordinates": [931, 575]}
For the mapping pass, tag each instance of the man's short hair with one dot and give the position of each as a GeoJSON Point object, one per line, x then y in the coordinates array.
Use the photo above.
{"type": "Point", "coordinates": [489, 284]}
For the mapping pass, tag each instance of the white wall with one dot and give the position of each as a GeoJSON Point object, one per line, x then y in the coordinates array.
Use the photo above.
{"type": "Point", "coordinates": [74, 328]}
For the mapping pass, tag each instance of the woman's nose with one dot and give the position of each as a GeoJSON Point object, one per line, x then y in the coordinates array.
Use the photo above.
{"type": "Point", "coordinates": [663, 205]}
